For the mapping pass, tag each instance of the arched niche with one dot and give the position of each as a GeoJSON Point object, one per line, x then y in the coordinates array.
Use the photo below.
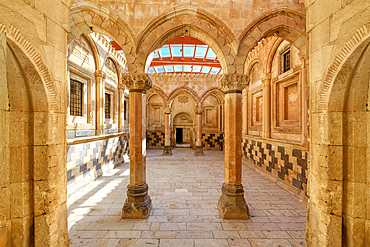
{"type": "Point", "coordinates": [155, 112]}
{"type": "Point", "coordinates": [183, 129]}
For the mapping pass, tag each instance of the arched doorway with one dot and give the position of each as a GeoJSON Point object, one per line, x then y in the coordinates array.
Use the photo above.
{"type": "Point", "coordinates": [183, 130]}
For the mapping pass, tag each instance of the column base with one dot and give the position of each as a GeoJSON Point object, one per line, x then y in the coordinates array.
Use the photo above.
{"type": "Point", "coordinates": [198, 151]}
{"type": "Point", "coordinates": [167, 151]}
{"type": "Point", "coordinates": [232, 204]}
{"type": "Point", "coordinates": [138, 203]}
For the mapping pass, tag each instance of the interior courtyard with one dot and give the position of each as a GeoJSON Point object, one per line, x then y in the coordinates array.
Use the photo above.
{"type": "Point", "coordinates": [185, 123]}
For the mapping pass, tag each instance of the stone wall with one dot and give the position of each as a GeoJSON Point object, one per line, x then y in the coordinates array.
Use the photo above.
{"type": "Point", "coordinates": [154, 139]}
{"type": "Point", "coordinates": [89, 159]}
{"type": "Point", "coordinates": [281, 160]}
{"type": "Point", "coordinates": [213, 140]}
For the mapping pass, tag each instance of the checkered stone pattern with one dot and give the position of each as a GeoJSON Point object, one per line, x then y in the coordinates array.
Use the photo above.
{"type": "Point", "coordinates": [287, 163]}
{"type": "Point", "coordinates": [212, 140]}
{"type": "Point", "coordinates": [154, 139]}
{"type": "Point", "coordinates": [87, 161]}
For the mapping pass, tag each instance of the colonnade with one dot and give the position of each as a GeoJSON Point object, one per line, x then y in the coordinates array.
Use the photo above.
{"type": "Point", "coordinates": [232, 203]}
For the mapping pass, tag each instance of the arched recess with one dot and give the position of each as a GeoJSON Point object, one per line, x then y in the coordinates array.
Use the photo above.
{"type": "Point", "coordinates": [271, 55]}
{"type": "Point", "coordinates": [252, 64]}
{"type": "Point", "coordinates": [95, 52]}
{"type": "Point", "coordinates": [185, 90]}
{"type": "Point", "coordinates": [220, 95]}
{"type": "Point", "coordinates": [34, 136]}
{"type": "Point", "coordinates": [340, 149]}
{"type": "Point", "coordinates": [116, 64]}
{"type": "Point", "coordinates": [286, 24]}
{"type": "Point", "coordinates": [86, 18]}
{"type": "Point", "coordinates": [192, 22]}
{"type": "Point", "coordinates": [156, 90]}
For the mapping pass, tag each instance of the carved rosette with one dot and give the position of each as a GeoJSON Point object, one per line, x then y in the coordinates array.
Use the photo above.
{"type": "Point", "coordinates": [199, 110]}
{"type": "Point", "coordinates": [139, 82]}
{"type": "Point", "coordinates": [234, 83]}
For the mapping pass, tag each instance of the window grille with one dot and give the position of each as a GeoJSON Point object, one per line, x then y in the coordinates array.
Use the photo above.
{"type": "Point", "coordinates": [286, 61]}
{"type": "Point", "coordinates": [107, 105]}
{"type": "Point", "coordinates": [76, 88]}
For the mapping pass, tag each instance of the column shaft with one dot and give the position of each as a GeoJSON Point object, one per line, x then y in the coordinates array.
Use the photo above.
{"type": "Point", "coordinates": [99, 102]}
{"type": "Point", "coordinates": [167, 133]}
{"type": "Point", "coordinates": [266, 128]}
{"type": "Point", "coordinates": [138, 203]}
{"type": "Point", "coordinates": [245, 112]}
{"type": "Point", "coordinates": [232, 204]}
{"type": "Point", "coordinates": [198, 141]}
{"type": "Point", "coordinates": [121, 96]}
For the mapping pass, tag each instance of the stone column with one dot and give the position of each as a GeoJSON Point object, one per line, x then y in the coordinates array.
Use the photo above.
{"type": "Point", "coordinates": [266, 127]}
{"type": "Point", "coordinates": [232, 204]}
{"type": "Point", "coordinates": [99, 80]}
{"type": "Point", "coordinates": [121, 98]}
{"type": "Point", "coordinates": [138, 203]}
{"type": "Point", "coordinates": [167, 151]}
{"type": "Point", "coordinates": [198, 142]}
{"type": "Point", "coordinates": [245, 111]}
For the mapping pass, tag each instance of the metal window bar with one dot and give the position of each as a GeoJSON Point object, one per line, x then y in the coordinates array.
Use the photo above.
{"type": "Point", "coordinates": [287, 61]}
{"type": "Point", "coordinates": [107, 105]}
{"type": "Point", "coordinates": [75, 107]}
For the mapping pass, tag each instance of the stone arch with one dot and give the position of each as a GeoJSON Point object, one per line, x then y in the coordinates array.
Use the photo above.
{"type": "Point", "coordinates": [284, 23]}
{"type": "Point", "coordinates": [161, 93]}
{"type": "Point", "coordinates": [271, 55]}
{"type": "Point", "coordinates": [95, 52]}
{"type": "Point", "coordinates": [193, 22]}
{"type": "Point", "coordinates": [252, 64]}
{"type": "Point", "coordinates": [339, 68]}
{"type": "Point", "coordinates": [181, 90]}
{"type": "Point", "coordinates": [86, 18]}
{"type": "Point", "coordinates": [220, 95]}
{"type": "Point", "coordinates": [116, 64]}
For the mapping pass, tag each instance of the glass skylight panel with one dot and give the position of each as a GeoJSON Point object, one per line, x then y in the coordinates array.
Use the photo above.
{"type": "Point", "coordinates": [178, 68]}
{"type": "Point", "coordinates": [159, 69]}
{"type": "Point", "coordinates": [215, 70]}
{"type": "Point", "coordinates": [206, 69]}
{"type": "Point", "coordinates": [108, 38]}
{"type": "Point", "coordinates": [156, 55]}
{"type": "Point", "coordinates": [165, 51]}
{"type": "Point", "coordinates": [189, 50]}
{"type": "Point", "coordinates": [187, 68]}
{"type": "Point", "coordinates": [176, 50]}
{"type": "Point", "coordinates": [196, 68]}
{"type": "Point", "coordinates": [200, 51]}
{"type": "Point", "coordinates": [211, 54]}
{"type": "Point", "coordinates": [151, 70]}
{"type": "Point", "coordinates": [221, 72]}
{"type": "Point", "coordinates": [169, 68]}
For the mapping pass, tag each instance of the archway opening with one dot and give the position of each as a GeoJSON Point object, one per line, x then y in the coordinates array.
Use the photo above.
{"type": "Point", "coordinates": [183, 130]}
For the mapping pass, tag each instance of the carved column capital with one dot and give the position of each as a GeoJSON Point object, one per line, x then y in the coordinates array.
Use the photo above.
{"type": "Point", "coordinates": [266, 80]}
{"type": "Point", "coordinates": [138, 82]}
{"type": "Point", "coordinates": [233, 83]}
{"type": "Point", "coordinates": [99, 73]}
{"type": "Point", "coordinates": [199, 110]}
{"type": "Point", "coordinates": [167, 110]}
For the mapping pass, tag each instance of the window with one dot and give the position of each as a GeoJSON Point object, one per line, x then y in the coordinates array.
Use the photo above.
{"type": "Point", "coordinates": [76, 98]}
{"type": "Point", "coordinates": [286, 60]}
{"type": "Point", "coordinates": [107, 105]}
{"type": "Point", "coordinates": [124, 110]}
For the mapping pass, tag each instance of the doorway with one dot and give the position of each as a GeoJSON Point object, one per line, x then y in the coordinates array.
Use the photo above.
{"type": "Point", "coordinates": [179, 135]}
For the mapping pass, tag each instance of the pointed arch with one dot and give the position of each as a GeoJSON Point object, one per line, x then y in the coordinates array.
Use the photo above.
{"type": "Point", "coordinates": [284, 23]}
{"type": "Point", "coordinates": [212, 91]}
{"type": "Point", "coordinates": [161, 93]}
{"type": "Point", "coordinates": [181, 90]}
{"type": "Point", "coordinates": [193, 22]}
{"type": "Point", "coordinates": [86, 18]}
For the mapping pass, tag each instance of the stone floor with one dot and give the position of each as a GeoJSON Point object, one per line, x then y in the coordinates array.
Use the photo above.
{"type": "Point", "coordinates": [184, 191]}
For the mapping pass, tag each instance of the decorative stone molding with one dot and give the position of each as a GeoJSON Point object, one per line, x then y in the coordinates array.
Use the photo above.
{"type": "Point", "coordinates": [234, 83]}
{"type": "Point", "coordinates": [137, 82]}
{"type": "Point", "coordinates": [16, 36]}
{"type": "Point", "coordinates": [266, 80]}
{"type": "Point", "coordinates": [338, 62]}
{"type": "Point", "coordinates": [99, 73]}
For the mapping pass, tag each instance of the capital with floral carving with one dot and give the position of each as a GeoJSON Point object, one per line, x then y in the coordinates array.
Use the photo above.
{"type": "Point", "coordinates": [266, 80]}
{"type": "Point", "coordinates": [99, 73]}
{"type": "Point", "coordinates": [167, 110]}
{"type": "Point", "coordinates": [138, 82]}
{"type": "Point", "coordinates": [199, 110]}
{"type": "Point", "coordinates": [233, 83]}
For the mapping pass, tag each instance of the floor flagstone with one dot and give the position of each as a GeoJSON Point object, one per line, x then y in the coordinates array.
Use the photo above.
{"type": "Point", "coordinates": [184, 190]}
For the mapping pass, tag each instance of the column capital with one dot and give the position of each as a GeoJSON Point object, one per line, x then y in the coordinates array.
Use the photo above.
{"type": "Point", "coordinates": [266, 80]}
{"type": "Point", "coordinates": [167, 110]}
{"type": "Point", "coordinates": [233, 83]}
{"type": "Point", "coordinates": [137, 82]}
{"type": "Point", "coordinates": [199, 110]}
{"type": "Point", "coordinates": [99, 73]}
